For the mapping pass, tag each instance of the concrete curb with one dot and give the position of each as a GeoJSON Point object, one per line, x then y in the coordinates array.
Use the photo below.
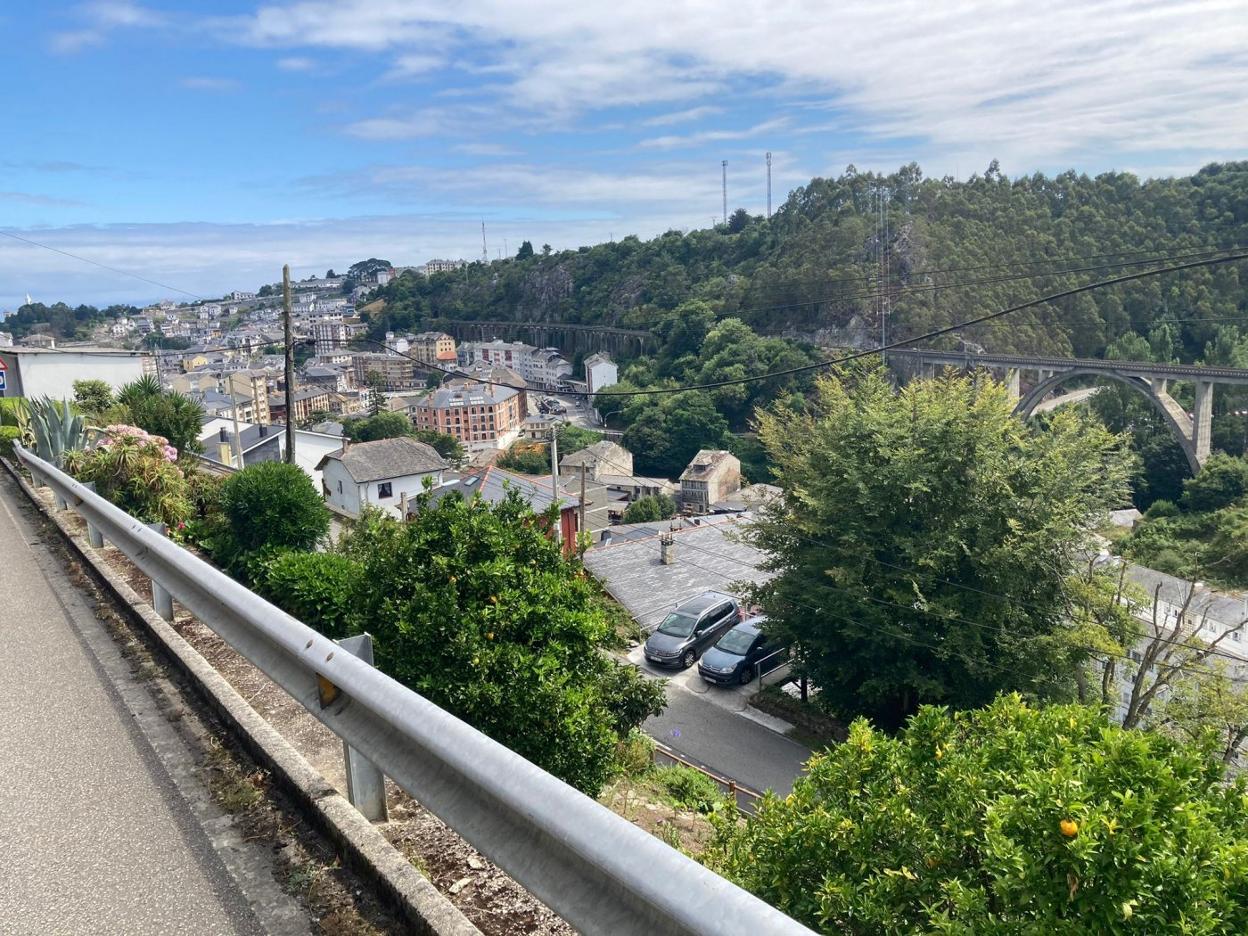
{"type": "Point", "coordinates": [418, 902]}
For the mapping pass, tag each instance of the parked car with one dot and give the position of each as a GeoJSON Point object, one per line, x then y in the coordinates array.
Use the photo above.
{"type": "Point", "coordinates": [734, 658]}
{"type": "Point", "coordinates": [691, 628]}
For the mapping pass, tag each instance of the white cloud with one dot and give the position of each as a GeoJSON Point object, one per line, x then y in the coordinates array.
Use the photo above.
{"type": "Point", "coordinates": [31, 198]}
{"type": "Point", "coordinates": [715, 136]}
{"type": "Point", "coordinates": [102, 18]}
{"type": "Point", "coordinates": [410, 66]}
{"type": "Point", "coordinates": [201, 83]}
{"type": "Point", "coordinates": [295, 63]}
{"type": "Point", "coordinates": [484, 149]}
{"type": "Point", "coordinates": [1028, 82]}
{"type": "Point", "coordinates": [684, 116]}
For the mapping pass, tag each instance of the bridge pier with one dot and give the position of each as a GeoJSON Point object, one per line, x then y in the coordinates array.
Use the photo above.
{"type": "Point", "coordinates": [1012, 384]}
{"type": "Point", "coordinates": [1202, 417]}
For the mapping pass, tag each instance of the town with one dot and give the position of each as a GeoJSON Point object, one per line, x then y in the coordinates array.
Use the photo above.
{"type": "Point", "coordinates": [622, 471]}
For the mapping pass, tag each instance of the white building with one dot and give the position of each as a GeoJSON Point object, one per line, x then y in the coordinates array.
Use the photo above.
{"type": "Point", "coordinates": [36, 372]}
{"type": "Point", "coordinates": [378, 473]}
{"type": "Point", "coordinates": [540, 367]}
{"type": "Point", "coordinates": [600, 371]}
{"type": "Point", "coordinates": [444, 266]}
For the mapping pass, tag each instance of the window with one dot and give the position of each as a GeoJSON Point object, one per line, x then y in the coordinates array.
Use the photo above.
{"type": "Point", "coordinates": [383, 490]}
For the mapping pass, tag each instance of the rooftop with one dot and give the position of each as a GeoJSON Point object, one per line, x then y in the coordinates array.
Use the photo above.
{"type": "Point", "coordinates": [704, 464]}
{"type": "Point", "coordinates": [470, 395]}
{"type": "Point", "coordinates": [708, 556]}
{"type": "Point", "coordinates": [386, 458]}
{"type": "Point", "coordinates": [492, 483]}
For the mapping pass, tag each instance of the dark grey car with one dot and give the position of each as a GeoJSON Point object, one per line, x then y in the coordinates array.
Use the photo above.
{"type": "Point", "coordinates": [691, 628]}
{"type": "Point", "coordinates": [735, 657]}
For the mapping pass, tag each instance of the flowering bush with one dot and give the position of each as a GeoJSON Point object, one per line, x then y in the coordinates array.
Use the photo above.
{"type": "Point", "coordinates": [138, 473]}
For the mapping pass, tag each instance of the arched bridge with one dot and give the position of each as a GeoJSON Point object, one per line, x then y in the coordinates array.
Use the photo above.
{"type": "Point", "coordinates": [547, 334]}
{"type": "Point", "coordinates": [1151, 379]}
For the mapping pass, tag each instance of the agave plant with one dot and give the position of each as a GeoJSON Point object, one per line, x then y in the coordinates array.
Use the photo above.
{"type": "Point", "coordinates": [57, 429]}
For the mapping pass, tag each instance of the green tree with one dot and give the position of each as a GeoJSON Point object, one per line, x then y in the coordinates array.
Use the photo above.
{"type": "Point", "coordinates": [1006, 819]}
{"type": "Point", "coordinates": [161, 412]}
{"type": "Point", "coordinates": [906, 514]}
{"type": "Point", "coordinates": [525, 251]}
{"type": "Point", "coordinates": [379, 426]}
{"type": "Point", "coordinates": [650, 508]}
{"type": "Point", "coordinates": [93, 396]}
{"type": "Point", "coordinates": [376, 392]}
{"type": "Point", "coordinates": [1222, 482]}
{"type": "Point", "coordinates": [477, 609]}
{"type": "Point", "coordinates": [666, 435]}
{"type": "Point", "coordinates": [445, 445]}
{"type": "Point", "coordinates": [574, 438]}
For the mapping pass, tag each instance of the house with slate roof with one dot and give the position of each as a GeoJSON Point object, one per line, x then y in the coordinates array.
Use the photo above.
{"type": "Point", "coordinates": [382, 474]}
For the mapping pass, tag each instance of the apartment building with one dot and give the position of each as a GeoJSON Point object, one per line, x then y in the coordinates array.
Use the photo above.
{"type": "Point", "coordinates": [397, 372]}
{"type": "Point", "coordinates": [711, 476]}
{"type": "Point", "coordinates": [479, 416]}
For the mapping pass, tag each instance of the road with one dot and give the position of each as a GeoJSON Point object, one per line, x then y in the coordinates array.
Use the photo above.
{"type": "Point", "coordinates": [94, 837]}
{"type": "Point", "coordinates": [714, 735]}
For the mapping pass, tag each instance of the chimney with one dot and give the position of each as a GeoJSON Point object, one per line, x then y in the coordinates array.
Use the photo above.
{"type": "Point", "coordinates": [264, 430]}
{"type": "Point", "coordinates": [224, 455]}
{"type": "Point", "coordinates": [346, 444]}
{"type": "Point", "coordinates": [221, 433]}
{"type": "Point", "coordinates": [667, 548]}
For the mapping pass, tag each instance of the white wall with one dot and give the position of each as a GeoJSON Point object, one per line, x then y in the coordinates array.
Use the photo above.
{"type": "Point", "coordinates": [310, 448]}
{"type": "Point", "coordinates": [336, 476]}
{"type": "Point", "coordinates": [53, 373]}
{"type": "Point", "coordinates": [411, 485]}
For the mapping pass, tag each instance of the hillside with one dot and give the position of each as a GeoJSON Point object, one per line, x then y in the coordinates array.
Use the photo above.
{"type": "Point", "coordinates": [812, 269]}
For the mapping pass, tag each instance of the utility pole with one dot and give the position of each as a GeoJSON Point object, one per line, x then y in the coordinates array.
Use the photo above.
{"type": "Point", "coordinates": [238, 440]}
{"type": "Point", "coordinates": [485, 251]}
{"type": "Point", "coordinates": [582, 525]}
{"type": "Point", "coordinates": [768, 185]}
{"type": "Point", "coordinates": [723, 166]}
{"type": "Point", "coordinates": [290, 367]}
{"type": "Point", "coordinates": [554, 481]}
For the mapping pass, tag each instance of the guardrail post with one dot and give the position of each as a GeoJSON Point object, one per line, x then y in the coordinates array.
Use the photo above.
{"type": "Point", "coordinates": [366, 784]}
{"type": "Point", "coordinates": [162, 601]}
{"type": "Point", "coordinates": [94, 536]}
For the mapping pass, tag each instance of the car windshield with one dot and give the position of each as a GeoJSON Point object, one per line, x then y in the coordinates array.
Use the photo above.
{"type": "Point", "coordinates": [736, 641]}
{"type": "Point", "coordinates": [677, 625]}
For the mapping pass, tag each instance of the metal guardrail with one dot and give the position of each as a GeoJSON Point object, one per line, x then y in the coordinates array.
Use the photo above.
{"type": "Point", "coordinates": [595, 869]}
{"type": "Point", "coordinates": [744, 796]}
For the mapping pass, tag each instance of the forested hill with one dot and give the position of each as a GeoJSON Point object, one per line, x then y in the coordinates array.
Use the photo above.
{"type": "Point", "coordinates": [815, 264]}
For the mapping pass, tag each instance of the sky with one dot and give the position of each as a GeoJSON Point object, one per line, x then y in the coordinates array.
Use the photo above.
{"type": "Point", "coordinates": [204, 144]}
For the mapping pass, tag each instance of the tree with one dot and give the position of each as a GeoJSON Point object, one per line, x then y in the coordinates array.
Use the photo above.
{"type": "Point", "coordinates": [445, 445]}
{"type": "Point", "coordinates": [162, 412]}
{"type": "Point", "coordinates": [93, 396]}
{"type": "Point", "coordinates": [906, 516]}
{"type": "Point", "coordinates": [376, 392]}
{"type": "Point", "coordinates": [650, 508]}
{"type": "Point", "coordinates": [1222, 481]}
{"type": "Point", "coordinates": [738, 220]}
{"type": "Point", "coordinates": [1007, 819]}
{"type": "Point", "coordinates": [574, 438]}
{"type": "Point", "coordinates": [667, 434]}
{"type": "Point", "coordinates": [525, 251]}
{"type": "Point", "coordinates": [380, 426]}
{"type": "Point", "coordinates": [476, 608]}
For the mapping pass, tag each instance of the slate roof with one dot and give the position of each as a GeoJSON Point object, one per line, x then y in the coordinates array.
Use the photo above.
{"type": "Point", "coordinates": [473, 395]}
{"type": "Point", "coordinates": [606, 453]}
{"type": "Point", "coordinates": [709, 556]}
{"type": "Point", "coordinates": [493, 483]}
{"type": "Point", "coordinates": [386, 458]}
{"type": "Point", "coordinates": [704, 464]}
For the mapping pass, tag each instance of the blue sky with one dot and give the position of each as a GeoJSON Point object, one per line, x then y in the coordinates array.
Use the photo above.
{"type": "Point", "coordinates": [204, 144]}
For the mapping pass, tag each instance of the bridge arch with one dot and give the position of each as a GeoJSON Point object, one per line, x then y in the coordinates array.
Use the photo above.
{"type": "Point", "coordinates": [1027, 404]}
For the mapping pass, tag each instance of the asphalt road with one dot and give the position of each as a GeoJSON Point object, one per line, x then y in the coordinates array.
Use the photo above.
{"type": "Point", "coordinates": [727, 743]}
{"type": "Point", "coordinates": [94, 837]}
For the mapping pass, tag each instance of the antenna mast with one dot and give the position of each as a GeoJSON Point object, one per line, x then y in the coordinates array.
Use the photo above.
{"type": "Point", "coordinates": [769, 184]}
{"type": "Point", "coordinates": [485, 251]}
{"type": "Point", "coordinates": [724, 168]}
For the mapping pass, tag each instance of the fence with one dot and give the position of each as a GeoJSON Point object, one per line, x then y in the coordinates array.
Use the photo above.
{"type": "Point", "coordinates": [664, 756]}
{"type": "Point", "coordinates": [595, 869]}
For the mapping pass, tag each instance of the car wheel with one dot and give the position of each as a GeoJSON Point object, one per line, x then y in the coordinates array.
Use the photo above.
{"type": "Point", "coordinates": [686, 661]}
{"type": "Point", "coordinates": [747, 674]}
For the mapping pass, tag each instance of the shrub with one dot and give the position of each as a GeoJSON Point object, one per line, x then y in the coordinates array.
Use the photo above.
{"type": "Point", "coordinates": [9, 435]}
{"type": "Point", "coordinates": [1006, 819]}
{"type": "Point", "coordinates": [691, 788]}
{"type": "Point", "coordinates": [526, 459]}
{"type": "Point", "coordinates": [273, 504]}
{"type": "Point", "coordinates": [318, 588]}
{"type": "Point", "coordinates": [138, 473]}
{"type": "Point", "coordinates": [1161, 508]}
